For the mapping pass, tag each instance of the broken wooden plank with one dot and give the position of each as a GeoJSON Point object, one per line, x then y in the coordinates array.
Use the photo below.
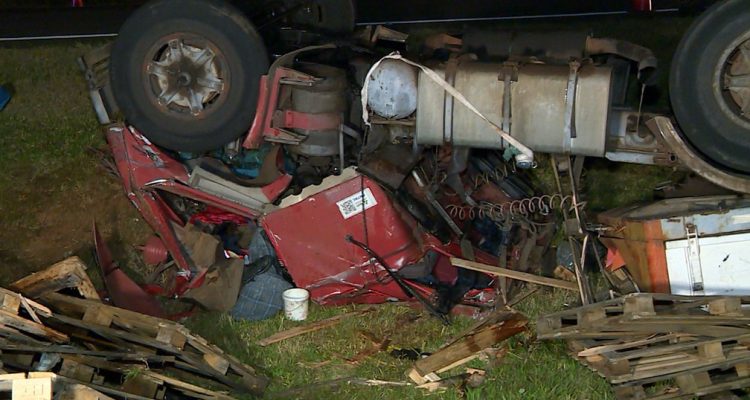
{"type": "Point", "coordinates": [591, 351]}
{"type": "Point", "coordinates": [517, 275]}
{"type": "Point", "coordinates": [114, 334]}
{"type": "Point", "coordinates": [69, 273]}
{"type": "Point", "coordinates": [311, 327]}
{"type": "Point", "coordinates": [112, 355]}
{"type": "Point", "coordinates": [124, 319]}
{"type": "Point", "coordinates": [485, 337]}
{"type": "Point", "coordinates": [126, 370]}
{"type": "Point", "coordinates": [25, 325]}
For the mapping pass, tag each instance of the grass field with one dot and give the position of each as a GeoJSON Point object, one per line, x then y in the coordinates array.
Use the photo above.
{"type": "Point", "coordinates": [52, 189]}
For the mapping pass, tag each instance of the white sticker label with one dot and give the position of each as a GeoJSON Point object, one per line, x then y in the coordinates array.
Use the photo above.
{"type": "Point", "coordinates": [352, 205]}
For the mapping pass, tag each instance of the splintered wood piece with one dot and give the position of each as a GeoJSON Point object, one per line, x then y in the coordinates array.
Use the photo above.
{"type": "Point", "coordinates": [517, 275]}
{"type": "Point", "coordinates": [311, 327]}
{"type": "Point", "coordinates": [31, 306]}
{"type": "Point", "coordinates": [27, 307]}
{"type": "Point", "coordinates": [69, 273]}
{"type": "Point", "coordinates": [23, 324]}
{"type": "Point", "coordinates": [483, 338]}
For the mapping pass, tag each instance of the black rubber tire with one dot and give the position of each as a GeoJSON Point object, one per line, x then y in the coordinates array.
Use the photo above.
{"type": "Point", "coordinates": [244, 60]}
{"type": "Point", "coordinates": [707, 122]}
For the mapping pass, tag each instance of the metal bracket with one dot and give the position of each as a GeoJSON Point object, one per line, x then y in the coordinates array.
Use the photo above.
{"type": "Point", "coordinates": [570, 101]}
{"type": "Point", "coordinates": [694, 258]}
{"type": "Point", "coordinates": [450, 76]}
{"type": "Point", "coordinates": [510, 75]}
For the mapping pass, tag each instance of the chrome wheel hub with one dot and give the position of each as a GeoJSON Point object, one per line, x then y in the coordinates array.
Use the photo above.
{"type": "Point", "coordinates": [186, 76]}
{"type": "Point", "coordinates": [736, 79]}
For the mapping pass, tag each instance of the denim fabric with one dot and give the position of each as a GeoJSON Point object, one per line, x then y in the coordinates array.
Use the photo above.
{"type": "Point", "coordinates": [261, 298]}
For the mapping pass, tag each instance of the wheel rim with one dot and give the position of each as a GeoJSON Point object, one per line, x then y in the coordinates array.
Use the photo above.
{"type": "Point", "coordinates": [734, 80]}
{"type": "Point", "coordinates": [186, 75]}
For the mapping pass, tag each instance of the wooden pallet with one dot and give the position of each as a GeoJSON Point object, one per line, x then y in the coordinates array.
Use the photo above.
{"type": "Point", "coordinates": [637, 314]}
{"type": "Point", "coordinates": [691, 384]}
{"type": "Point", "coordinates": [67, 274]}
{"type": "Point", "coordinates": [151, 335]}
{"type": "Point", "coordinates": [662, 355]}
{"type": "Point", "coordinates": [118, 352]}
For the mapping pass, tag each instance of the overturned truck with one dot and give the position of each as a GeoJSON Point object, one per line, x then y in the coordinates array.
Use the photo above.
{"type": "Point", "coordinates": [356, 161]}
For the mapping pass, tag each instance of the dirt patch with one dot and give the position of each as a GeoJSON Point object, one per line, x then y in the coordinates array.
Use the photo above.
{"type": "Point", "coordinates": [55, 221]}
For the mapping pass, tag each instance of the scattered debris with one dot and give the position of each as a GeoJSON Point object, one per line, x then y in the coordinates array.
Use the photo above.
{"type": "Point", "coordinates": [376, 346]}
{"type": "Point", "coordinates": [472, 378]}
{"type": "Point", "coordinates": [499, 326]}
{"type": "Point", "coordinates": [311, 390]}
{"type": "Point", "coordinates": [311, 327]}
{"type": "Point", "coordinates": [118, 352]}
{"type": "Point", "coordinates": [517, 275]}
{"type": "Point", "coordinates": [657, 346]}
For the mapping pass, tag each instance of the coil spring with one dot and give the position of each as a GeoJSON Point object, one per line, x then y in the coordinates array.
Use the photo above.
{"type": "Point", "coordinates": [496, 175]}
{"type": "Point", "coordinates": [524, 207]}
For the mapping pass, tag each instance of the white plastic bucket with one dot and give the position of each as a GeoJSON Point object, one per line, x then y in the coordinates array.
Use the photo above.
{"type": "Point", "coordinates": [295, 304]}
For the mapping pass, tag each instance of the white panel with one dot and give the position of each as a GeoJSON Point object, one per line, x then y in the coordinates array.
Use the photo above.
{"type": "Point", "coordinates": [725, 261]}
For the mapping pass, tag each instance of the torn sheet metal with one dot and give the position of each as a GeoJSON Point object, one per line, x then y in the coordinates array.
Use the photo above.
{"type": "Point", "coordinates": [122, 290]}
{"type": "Point", "coordinates": [694, 246]}
{"type": "Point", "coordinates": [309, 236]}
{"type": "Point", "coordinates": [148, 173]}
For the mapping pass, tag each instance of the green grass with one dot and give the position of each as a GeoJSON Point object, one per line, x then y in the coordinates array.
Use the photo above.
{"type": "Point", "coordinates": [51, 186]}
{"type": "Point", "coordinates": [530, 369]}
{"type": "Point", "coordinates": [52, 189]}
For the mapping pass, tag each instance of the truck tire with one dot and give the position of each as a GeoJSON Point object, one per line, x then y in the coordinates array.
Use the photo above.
{"type": "Point", "coordinates": [710, 85]}
{"type": "Point", "coordinates": [186, 73]}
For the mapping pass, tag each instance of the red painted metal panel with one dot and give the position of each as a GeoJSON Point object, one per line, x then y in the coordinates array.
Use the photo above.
{"type": "Point", "coordinates": [657, 257]}
{"type": "Point", "coordinates": [122, 290]}
{"type": "Point", "coordinates": [309, 238]}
